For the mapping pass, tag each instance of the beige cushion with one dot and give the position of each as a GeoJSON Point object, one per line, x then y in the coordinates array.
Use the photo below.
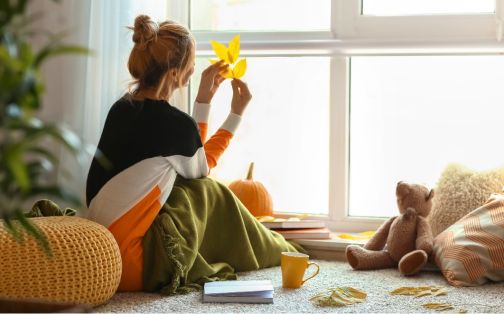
{"type": "Point", "coordinates": [460, 190]}
{"type": "Point", "coordinates": [85, 266]}
{"type": "Point", "coordinates": [471, 251]}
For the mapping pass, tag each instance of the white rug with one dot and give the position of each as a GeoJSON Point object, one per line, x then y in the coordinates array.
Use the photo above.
{"type": "Point", "coordinates": [378, 284]}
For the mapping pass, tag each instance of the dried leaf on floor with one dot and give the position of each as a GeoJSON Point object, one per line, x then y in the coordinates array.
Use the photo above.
{"type": "Point", "coordinates": [438, 306]}
{"type": "Point", "coordinates": [420, 291]}
{"type": "Point", "coordinates": [339, 296]}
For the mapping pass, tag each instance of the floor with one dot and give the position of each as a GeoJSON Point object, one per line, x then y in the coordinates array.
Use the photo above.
{"type": "Point", "coordinates": [377, 284]}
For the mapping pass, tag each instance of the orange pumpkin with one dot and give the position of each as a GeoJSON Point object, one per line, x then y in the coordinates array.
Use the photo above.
{"type": "Point", "coordinates": [253, 195]}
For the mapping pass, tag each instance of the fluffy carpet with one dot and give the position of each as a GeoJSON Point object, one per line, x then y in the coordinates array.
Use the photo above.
{"type": "Point", "coordinates": [378, 284]}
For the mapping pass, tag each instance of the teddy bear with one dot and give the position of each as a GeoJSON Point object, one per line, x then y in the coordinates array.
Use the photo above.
{"type": "Point", "coordinates": [403, 241]}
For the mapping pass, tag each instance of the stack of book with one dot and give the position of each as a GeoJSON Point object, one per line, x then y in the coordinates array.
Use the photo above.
{"type": "Point", "coordinates": [299, 229]}
{"type": "Point", "coordinates": [243, 291]}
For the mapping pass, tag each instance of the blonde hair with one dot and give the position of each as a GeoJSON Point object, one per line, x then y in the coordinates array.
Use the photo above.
{"type": "Point", "coordinates": [158, 48]}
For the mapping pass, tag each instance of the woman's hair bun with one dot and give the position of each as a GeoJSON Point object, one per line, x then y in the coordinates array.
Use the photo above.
{"type": "Point", "coordinates": [145, 30]}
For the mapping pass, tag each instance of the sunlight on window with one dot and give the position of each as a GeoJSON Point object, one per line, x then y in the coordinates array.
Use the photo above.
{"type": "Point", "coordinates": [156, 9]}
{"type": "Point", "coordinates": [424, 7]}
{"type": "Point", "coordinates": [412, 115]}
{"type": "Point", "coordinates": [285, 130]}
{"type": "Point", "coordinates": [261, 15]}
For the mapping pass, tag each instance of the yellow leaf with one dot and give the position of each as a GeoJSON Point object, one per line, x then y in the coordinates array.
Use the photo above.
{"type": "Point", "coordinates": [212, 61]}
{"type": "Point", "coordinates": [442, 291]}
{"type": "Point", "coordinates": [356, 293]}
{"type": "Point", "coordinates": [234, 49]}
{"type": "Point", "coordinates": [438, 306]}
{"type": "Point", "coordinates": [227, 73]}
{"type": "Point", "coordinates": [416, 291]}
{"type": "Point", "coordinates": [293, 219]}
{"type": "Point", "coordinates": [368, 233]}
{"type": "Point", "coordinates": [302, 216]}
{"type": "Point", "coordinates": [360, 236]}
{"type": "Point", "coordinates": [240, 68]}
{"type": "Point", "coordinates": [462, 311]}
{"type": "Point", "coordinates": [220, 50]}
{"type": "Point", "coordinates": [339, 296]}
{"type": "Point", "coordinates": [266, 218]}
{"type": "Point", "coordinates": [423, 293]}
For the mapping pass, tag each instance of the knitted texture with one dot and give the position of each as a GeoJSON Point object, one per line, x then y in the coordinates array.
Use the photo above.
{"type": "Point", "coordinates": [84, 266]}
{"type": "Point", "coordinates": [460, 190]}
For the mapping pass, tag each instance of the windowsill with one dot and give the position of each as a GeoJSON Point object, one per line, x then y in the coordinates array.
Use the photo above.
{"type": "Point", "coordinates": [328, 249]}
{"type": "Point", "coordinates": [333, 244]}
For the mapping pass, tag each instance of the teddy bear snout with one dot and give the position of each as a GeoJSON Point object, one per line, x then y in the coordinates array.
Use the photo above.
{"type": "Point", "coordinates": [409, 213]}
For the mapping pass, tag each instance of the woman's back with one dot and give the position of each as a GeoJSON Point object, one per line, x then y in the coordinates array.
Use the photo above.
{"type": "Point", "coordinates": [136, 130]}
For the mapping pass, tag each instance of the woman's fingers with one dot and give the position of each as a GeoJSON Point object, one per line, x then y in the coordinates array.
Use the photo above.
{"type": "Point", "coordinates": [241, 86]}
{"type": "Point", "coordinates": [217, 67]}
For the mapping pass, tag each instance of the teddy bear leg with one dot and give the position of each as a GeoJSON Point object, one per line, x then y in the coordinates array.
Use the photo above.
{"type": "Point", "coordinates": [412, 262]}
{"type": "Point", "coordinates": [362, 259]}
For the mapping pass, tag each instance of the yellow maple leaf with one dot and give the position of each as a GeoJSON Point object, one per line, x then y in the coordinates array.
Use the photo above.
{"type": "Point", "coordinates": [230, 54]}
{"type": "Point", "coordinates": [240, 68]}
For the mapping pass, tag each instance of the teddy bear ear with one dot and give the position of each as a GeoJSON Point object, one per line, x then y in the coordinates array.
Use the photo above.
{"type": "Point", "coordinates": [430, 196]}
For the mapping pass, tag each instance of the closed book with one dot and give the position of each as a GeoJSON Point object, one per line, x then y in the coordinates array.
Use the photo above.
{"type": "Point", "coordinates": [294, 224]}
{"type": "Point", "coordinates": [243, 291]}
{"type": "Point", "coordinates": [312, 233]}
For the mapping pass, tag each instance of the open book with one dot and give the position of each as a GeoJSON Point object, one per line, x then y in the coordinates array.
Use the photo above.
{"type": "Point", "coordinates": [243, 291]}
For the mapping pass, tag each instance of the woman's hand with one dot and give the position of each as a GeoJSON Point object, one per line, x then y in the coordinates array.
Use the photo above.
{"type": "Point", "coordinates": [210, 81]}
{"type": "Point", "coordinates": [241, 96]}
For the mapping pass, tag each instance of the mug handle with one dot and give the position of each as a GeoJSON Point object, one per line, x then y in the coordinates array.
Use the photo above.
{"type": "Point", "coordinates": [315, 274]}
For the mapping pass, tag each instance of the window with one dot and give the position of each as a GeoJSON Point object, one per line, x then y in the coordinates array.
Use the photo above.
{"type": "Point", "coordinates": [286, 128]}
{"type": "Point", "coordinates": [260, 15]}
{"type": "Point", "coordinates": [426, 7]}
{"type": "Point", "coordinates": [332, 94]}
{"type": "Point", "coordinates": [412, 115]}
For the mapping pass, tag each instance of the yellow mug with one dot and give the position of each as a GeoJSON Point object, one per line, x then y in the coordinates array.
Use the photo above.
{"type": "Point", "coordinates": [293, 266]}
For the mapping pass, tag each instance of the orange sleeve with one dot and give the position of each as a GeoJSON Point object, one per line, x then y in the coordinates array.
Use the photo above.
{"type": "Point", "coordinates": [216, 145]}
{"type": "Point", "coordinates": [203, 130]}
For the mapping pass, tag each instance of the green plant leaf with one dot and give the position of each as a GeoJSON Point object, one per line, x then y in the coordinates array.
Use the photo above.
{"type": "Point", "coordinates": [42, 152]}
{"type": "Point", "coordinates": [12, 228]}
{"type": "Point", "coordinates": [51, 51]}
{"type": "Point", "coordinates": [15, 164]}
{"type": "Point", "coordinates": [34, 231]}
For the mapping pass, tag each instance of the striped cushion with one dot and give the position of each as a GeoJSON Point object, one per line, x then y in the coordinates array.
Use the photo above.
{"type": "Point", "coordinates": [471, 251]}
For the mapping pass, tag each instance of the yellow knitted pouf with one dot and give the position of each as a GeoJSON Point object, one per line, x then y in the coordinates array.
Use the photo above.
{"type": "Point", "coordinates": [85, 266]}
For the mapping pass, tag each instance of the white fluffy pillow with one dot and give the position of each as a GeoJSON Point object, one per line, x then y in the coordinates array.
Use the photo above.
{"type": "Point", "coordinates": [459, 190]}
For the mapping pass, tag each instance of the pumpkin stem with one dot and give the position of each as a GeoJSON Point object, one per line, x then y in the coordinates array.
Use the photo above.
{"type": "Point", "coordinates": [251, 169]}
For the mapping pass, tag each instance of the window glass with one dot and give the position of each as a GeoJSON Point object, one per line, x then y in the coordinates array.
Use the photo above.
{"type": "Point", "coordinates": [412, 115]}
{"type": "Point", "coordinates": [285, 130]}
{"type": "Point", "coordinates": [426, 7]}
{"type": "Point", "coordinates": [260, 15]}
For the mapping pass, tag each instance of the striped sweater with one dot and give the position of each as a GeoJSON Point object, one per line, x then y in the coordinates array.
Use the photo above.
{"type": "Point", "coordinates": [146, 143]}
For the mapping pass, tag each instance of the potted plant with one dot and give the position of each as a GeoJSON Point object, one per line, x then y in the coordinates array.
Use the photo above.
{"type": "Point", "coordinates": [27, 166]}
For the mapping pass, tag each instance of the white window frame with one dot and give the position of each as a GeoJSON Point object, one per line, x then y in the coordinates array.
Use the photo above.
{"type": "Point", "coordinates": [352, 34]}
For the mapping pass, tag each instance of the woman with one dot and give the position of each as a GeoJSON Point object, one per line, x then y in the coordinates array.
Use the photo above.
{"type": "Point", "coordinates": [175, 228]}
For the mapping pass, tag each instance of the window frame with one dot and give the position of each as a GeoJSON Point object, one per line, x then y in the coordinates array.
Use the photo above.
{"type": "Point", "coordinates": [352, 34]}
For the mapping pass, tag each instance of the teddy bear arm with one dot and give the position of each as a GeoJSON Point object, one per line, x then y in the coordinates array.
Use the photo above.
{"type": "Point", "coordinates": [378, 241]}
{"type": "Point", "coordinates": [424, 238]}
